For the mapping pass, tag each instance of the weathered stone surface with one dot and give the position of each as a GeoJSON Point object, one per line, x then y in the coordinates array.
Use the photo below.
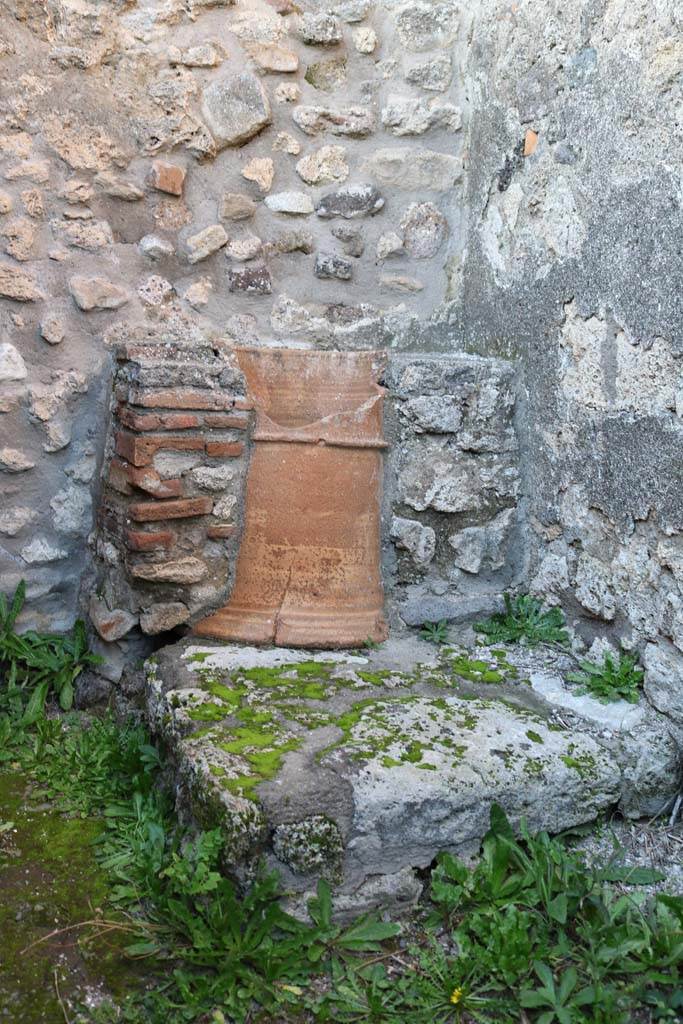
{"type": "Point", "coordinates": [156, 247]}
{"type": "Point", "coordinates": [286, 143]}
{"type": "Point", "coordinates": [350, 202]}
{"type": "Point", "coordinates": [72, 510]}
{"type": "Point", "coordinates": [414, 169]}
{"type": "Point", "coordinates": [319, 29]}
{"type": "Point", "coordinates": [91, 235]}
{"type": "Point", "coordinates": [181, 571]}
{"type": "Point", "coordinates": [410, 115]}
{"type": "Point", "coordinates": [389, 244]}
{"type": "Point", "coordinates": [21, 235]}
{"type": "Point", "coordinates": [664, 679]}
{"type": "Point", "coordinates": [260, 170]}
{"type": "Point", "coordinates": [424, 230]}
{"type": "Point", "coordinates": [330, 266]}
{"type": "Point", "coordinates": [225, 507]}
{"type": "Point", "coordinates": [110, 623]}
{"type": "Point", "coordinates": [434, 75]}
{"type": "Point", "coordinates": [97, 293]}
{"type": "Point", "coordinates": [198, 293]}
{"type": "Point", "coordinates": [324, 165]}
{"type": "Point", "coordinates": [212, 478]}
{"type": "Point", "coordinates": [647, 749]}
{"type": "Point", "coordinates": [40, 551]}
{"type": "Point", "coordinates": [288, 92]}
{"type": "Point", "coordinates": [478, 547]}
{"type": "Point", "coordinates": [234, 206]}
{"type": "Point", "coordinates": [157, 618]}
{"type": "Point", "coordinates": [253, 280]}
{"type": "Point", "coordinates": [273, 57]}
{"type": "Point", "coordinates": [355, 122]}
{"type": "Point", "coordinates": [442, 479]}
{"type": "Point", "coordinates": [14, 461]}
{"type": "Point", "coordinates": [594, 587]}
{"type": "Point", "coordinates": [13, 520]}
{"type": "Point", "coordinates": [413, 536]}
{"type": "Point", "coordinates": [327, 75]}
{"type": "Point", "coordinates": [118, 188]}
{"type": "Point", "coordinates": [351, 239]}
{"type": "Point", "coordinates": [235, 109]}
{"type": "Point", "coordinates": [295, 240]}
{"type": "Point", "coordinates": [365, 39]}
{"type": "Point", "coordinates": [205, 243]}
{"type": "Point", "coordinates": [352, 11]}
{"type": "Point", "coordinates": [18, 284]}
{"type": "Point", "coordinates": [401, 283]}
{"type": "Point", "coordinates": [155, 290]}
{"type": "Point", "coordinates": [246, 247]}
{"type": "Point", "coordinates": [355, 802]}
{"type": "Point", "coordinates": [52, 330]}
{"type": "Point", "coordinates": [206, 55]}
{"type": "Point", "coordinates": [296, 203]}
{"type": "Point", "coordinates": [427, 26]}
{"type": "Point", "coordinates": [12, 366]}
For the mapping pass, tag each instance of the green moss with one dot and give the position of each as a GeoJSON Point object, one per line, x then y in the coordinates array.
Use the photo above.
{"type": "Point", "coordinates": [376, 678]}
{"type": "Point", "coordinates": [207, 713]}
{"type": "Point", "coordinates": [534, 736]}
{"type": "Point", "coordinates": [414, 751]}
{"type": "Point", "coordinates": [475, 671]}
{"type": "Point", "coordinates": [533, 767]}
{"type": "Point", "coordinates": [225, 693]}
{"type": "Point", "coordinates": [584, 764]}
{"type": "Point", "coordinates": [49, 879]}
{"type": "Point", "coordinates": [264, 765]}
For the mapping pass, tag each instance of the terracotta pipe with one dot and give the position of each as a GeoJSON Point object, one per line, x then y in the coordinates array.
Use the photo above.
{"type": "Point", "coordinates": [308, 571]}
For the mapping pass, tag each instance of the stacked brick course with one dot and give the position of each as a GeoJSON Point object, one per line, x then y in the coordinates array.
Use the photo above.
{"type": "Point", "coordinates": [173, 481]}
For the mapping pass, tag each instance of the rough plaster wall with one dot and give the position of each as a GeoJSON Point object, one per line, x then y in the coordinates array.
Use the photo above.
{"type": "Point", "coordinates": [572, 267]}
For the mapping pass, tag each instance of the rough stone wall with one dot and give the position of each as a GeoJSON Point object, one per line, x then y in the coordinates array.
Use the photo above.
{"type": "Point", "coordinates": [496, 180]}
{"type": "Point", "coordinates": [573, 270]}
{"type": "Point", "coordinates": [452, 486]}
{"type": "Point", "coordinates": [196, 174]}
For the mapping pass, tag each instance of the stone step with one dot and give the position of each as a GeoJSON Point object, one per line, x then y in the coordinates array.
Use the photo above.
{"type": "Point", "coordinates": [361, 766]}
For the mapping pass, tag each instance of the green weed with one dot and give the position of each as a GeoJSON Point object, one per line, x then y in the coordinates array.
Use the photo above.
{"type": "Point", "coordinates": [525, 621]}
{"type": "Point", "coordinates": [41, 662]}
{"type": "Point", "coordinates": [527, 933]}
{"type": "Point", "coordinates": [435, 632]}
{"type": "Point", "coordinates": [612, 680]}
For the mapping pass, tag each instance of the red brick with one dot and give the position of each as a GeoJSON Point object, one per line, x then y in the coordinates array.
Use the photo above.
{"type": "Point", "coordinates": [245, 404]}
{"type": "Point", "coordinates": [182, 398]}
{"type": "Point", "coordinates": [220, 532]}
{"type": "Point", "coordinates": [145, 479]}
{"type": "Point", "coordinates": [136, 540]}
{"type": "Point", "coordinates": [226, 421]}
{"type": "Point", "coordinates": [156, 421]}
{"type": "Point", "coordinates": [167, 177]}
{"type": "Point", "coordinates": [140, 450]}
{"type": "Point", "coordinates": [228, 449]}
{"type": "Point", "coordinates": [153, 511]}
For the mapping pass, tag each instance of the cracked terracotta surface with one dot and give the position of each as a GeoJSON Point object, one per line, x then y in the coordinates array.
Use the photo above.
{"type": "Point", "coordinates": [308, 569]}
